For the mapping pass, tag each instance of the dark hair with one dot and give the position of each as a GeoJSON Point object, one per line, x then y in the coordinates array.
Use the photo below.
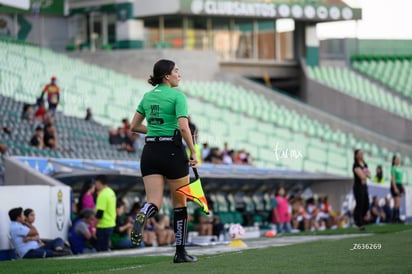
{"type": "Point", "coordinates": [119, 203]}
{"type": "Point", "coordinates": [86, 213]}
{"type": "Point", "coordinates": [162, 68]}
{"type": "Point", "coordinates": [135, 207]}
{"type": "Point", "coordinates": [86, 186]}
{"type": "Point", "coordinates": [27, 212]}
{"type": "Point", "coordinates": [355, 153]}
{"type": "Point", "coordinates": [278, 189]}
{"type": "Point", "coordinates": [393, 159]}
{"type": "Point", "coordinates": [14, 213]}
{"type": "Point", "coordinates": [379, 175]}
{"type": "Point", "coordinates": [102, 179]}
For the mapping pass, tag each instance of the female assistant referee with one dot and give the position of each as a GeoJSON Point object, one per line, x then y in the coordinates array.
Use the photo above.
{"type": "Point", "coordinates": [164, 156]}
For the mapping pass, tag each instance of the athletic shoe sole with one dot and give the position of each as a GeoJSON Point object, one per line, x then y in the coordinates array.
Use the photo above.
{"type": "Point", "coordinates": [136, 234]}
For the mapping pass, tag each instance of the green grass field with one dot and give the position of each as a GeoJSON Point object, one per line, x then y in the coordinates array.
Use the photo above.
{"type": "Point", "coordinates": [394, 256]}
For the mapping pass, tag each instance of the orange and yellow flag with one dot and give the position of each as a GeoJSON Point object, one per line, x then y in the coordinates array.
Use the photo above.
{"type": "Point", "coordinates": [194, 192]}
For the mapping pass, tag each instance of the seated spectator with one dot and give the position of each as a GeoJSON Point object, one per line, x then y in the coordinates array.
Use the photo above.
{"type": "Point", "coordinates": [134, 210]}
{"type": "Point", "coordinates": [388, 210]}
{"type": "Point", "coordinates": [120, 236]}
{"type": "Point", "coordinates": [38, 138]}
{"type": "Point", "coordinates": [87, 200]}
{"type": "Point", "coordinates": [376, 211]}
{"type": "Point", "coordinates": [89, 115]}
{"type": "Point", "coordinates": [149, 235]}
{"type": "Point", "coordinates": [50, 136]}
{"type": "Point", "coordinates": [205, 151]}
{"type": "Point", "coordinates": [202, 222]}
{"type": "Point", "coordinates": [214, 157]}
{"type": "Point", "coordinates": [27, 113]}
{"type": "Point", "coordinates": [29, 218]}
{"type": "Point", "coordinates": [132, 144]}
{"type": "Point", "coordinates": [3, 150]}
{"type": "Point", "coordinates": [164, 233]}
{"type": "Point", "coordinates": [299, 216]}
{"type": "Point", "coordinates": [26, 239]}
{"type": "Point", "coordinates": [80, 237]}
{"type": "Point", "coordinates": [229, 157]}
{"type": "Point", "coordinates": [41, 113]}
{"type": "Point", "coordinates": [126, 124]}
{"type": "Point", "coordinates": [312, 214]}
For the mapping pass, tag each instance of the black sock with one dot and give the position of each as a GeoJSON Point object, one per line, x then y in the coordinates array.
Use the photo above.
{"type": "Point", "coordinates": [180, 228]}
{"type": "Point", "coordinates": [149, 210]}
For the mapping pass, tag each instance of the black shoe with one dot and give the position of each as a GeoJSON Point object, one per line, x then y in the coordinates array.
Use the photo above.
{"type": "Point", "coordinates": [184, 258]}
{"type": "Point", "coordinates": [136, 234]}
{"type": "Point", "coordinates": [362, 228]}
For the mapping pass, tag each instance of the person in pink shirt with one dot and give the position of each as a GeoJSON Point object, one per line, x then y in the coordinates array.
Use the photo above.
{"type": "Point", "coordinates": [86, 200]}
{"type": "Point", "coordinates": [281, 211]}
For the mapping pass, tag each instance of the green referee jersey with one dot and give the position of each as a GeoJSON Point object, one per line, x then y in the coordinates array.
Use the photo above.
{"type": "Point", "coordinates": [162, 106]}
{"type": "Point", "coordinates": [398, 173]}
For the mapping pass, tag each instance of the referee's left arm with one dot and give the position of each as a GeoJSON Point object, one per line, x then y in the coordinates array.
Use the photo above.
{"type": "Point", "coordinates": [137, 123]}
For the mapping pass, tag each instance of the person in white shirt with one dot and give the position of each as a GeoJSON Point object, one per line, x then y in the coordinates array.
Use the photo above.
{"type": "Point", "coordinates": [26, 240]}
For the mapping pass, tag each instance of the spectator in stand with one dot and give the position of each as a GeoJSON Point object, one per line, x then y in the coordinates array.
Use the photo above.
{"type": "Point", "coordinates": [41, 114]}
{"type": "Point", "coordinates": [397, 189]}
{"type": "Point", "coordinates": [202, 222]}
{"type": "Point", "coordinates": [149, 235]}
{"type": "Point", "coordinates": [229, 157]}
{"type": "Point", "coordinates": [134, 210]}
{"type": "Point", "coordinates": [89, 115]}
{"type": "Point", "coordinates": [388, 210]}
{"type": "Point", "coordinates": [38, 139]}
{"type": "Point", "coordinates": [3, 150]}
{"type": "Point", "coordinates": [379, 175]}
{"type": "Point", "coordinates": [132, 143]}
{"type": "Point", "coordinates": [164, 232]}
{"type": "Point", "coordinates": [105, 213]}
{"type": "Point", "coordinates": [50, 136]}
{"type": "Point", "coordinates": [312, 214]}
{"type": "Point", "coordinates": [80, 237]}
{"type": "Point", "coordinates": [360, 188]}
{"type": "Point", "coordinates": [205, 151]}
{"type": "Point", "coordinates": [28, 113]}
{"type": "Point", "coordinates": [25, 239]}
{"type": "Point", "coordinates": [53, 95]}
{"type": "Point", "coordinates": [377, 213]}
{"type": "Point", "coordinates": [214, 157]}
{"type": "Point", "coordinates": [280, 211]}
{"type": "Point", "coordinates": [126, 124]}
{"type": "Point", "coordinates": [120, 238]}
{"type": "Point", "coordinates": [299, 216]}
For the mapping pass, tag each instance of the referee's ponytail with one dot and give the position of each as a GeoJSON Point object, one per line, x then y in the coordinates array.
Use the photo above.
{"type": "Point", "coordinates": [160, 70]}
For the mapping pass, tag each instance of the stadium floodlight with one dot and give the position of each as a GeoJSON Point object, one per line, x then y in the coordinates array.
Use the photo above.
{"type": "Point", "coordinates": [21, 4]}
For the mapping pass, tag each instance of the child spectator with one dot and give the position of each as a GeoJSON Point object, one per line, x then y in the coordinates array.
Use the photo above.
{"type": "Point", "coordinates": [280, 211]}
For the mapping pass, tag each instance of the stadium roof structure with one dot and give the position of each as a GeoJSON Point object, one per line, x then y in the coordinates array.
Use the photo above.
{"type": "Point", "coordinates": [125, 176]}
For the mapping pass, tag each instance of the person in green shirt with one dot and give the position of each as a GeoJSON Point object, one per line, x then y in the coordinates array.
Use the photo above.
{"type": "Point", "coordinates": [163, 156]}
{"type": "Point", "coordinates": [397, 189]}
{"type": "Point", "coordinates": [105, 213]}
{"type": "Point", "coordinates": [379, 175]}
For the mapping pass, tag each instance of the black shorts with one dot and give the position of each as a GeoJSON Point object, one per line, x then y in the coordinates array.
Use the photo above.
{"type": "Point", "coordinates": [164, 158]}
{"type": "Point", "coordinates": [401, 190]}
